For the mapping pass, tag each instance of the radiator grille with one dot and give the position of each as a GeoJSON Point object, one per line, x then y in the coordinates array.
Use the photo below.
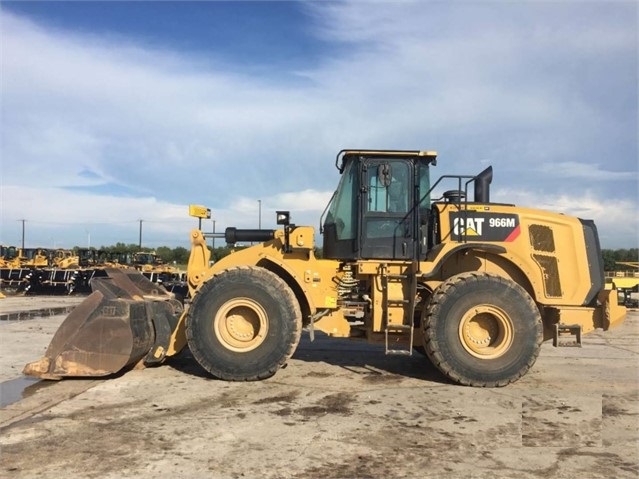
{"type": "Point", "coordinates": [541, 238]}
{"type": "Point", "coordinates": [550, 273]}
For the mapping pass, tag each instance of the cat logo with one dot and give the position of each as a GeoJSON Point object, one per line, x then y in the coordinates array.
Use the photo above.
{"type": "Point", "coordinates": [476, 226]}
{"type": "Point", "coordinates": [468, 226]}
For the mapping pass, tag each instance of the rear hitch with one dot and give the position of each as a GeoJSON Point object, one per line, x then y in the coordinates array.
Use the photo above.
{"type": "Point", "coordinates": [567, 335]}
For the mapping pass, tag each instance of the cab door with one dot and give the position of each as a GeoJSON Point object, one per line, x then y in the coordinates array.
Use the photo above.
{"type": "Point", "coordinates": [386, 209]}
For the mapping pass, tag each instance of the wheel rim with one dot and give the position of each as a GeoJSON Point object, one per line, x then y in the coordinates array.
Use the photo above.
{"type": "Point", "coordinates": [241, 325]}
{"type": "Point", "coordinates": [486, 332]}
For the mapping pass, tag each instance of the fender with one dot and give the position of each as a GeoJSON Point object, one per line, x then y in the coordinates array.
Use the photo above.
{"type": "Point", "coordinates": [298, 280]}
{"type": "Point", "coordinates": [291, 276]}
{"type": "Point", "coordinates": [439, 261]}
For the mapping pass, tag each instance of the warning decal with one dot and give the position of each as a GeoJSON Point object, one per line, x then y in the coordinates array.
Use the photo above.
{"type": "Point", "coordinates": [478, 226]}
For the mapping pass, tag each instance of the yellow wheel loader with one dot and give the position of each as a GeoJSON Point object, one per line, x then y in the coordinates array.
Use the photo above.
{"type": "Point", "coordinates": [475, 285]}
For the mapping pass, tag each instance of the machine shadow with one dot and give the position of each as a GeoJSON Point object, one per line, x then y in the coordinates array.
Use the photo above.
{"type": "Point", "coordinates": [361, 358]}
{"type": "Point", "coordinates": [184, 362]}
{"type": "Point", "coordinates": [357, 357]}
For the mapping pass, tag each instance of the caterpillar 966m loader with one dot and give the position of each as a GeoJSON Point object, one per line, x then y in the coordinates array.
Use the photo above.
{"type": "Point", "coordinates": [475, 285]}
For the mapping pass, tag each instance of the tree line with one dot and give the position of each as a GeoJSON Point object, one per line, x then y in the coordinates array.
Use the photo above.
{"type": "Point", "coordinates": [179, 255]}
{"type": "Point", "coordinates": [613, 258]}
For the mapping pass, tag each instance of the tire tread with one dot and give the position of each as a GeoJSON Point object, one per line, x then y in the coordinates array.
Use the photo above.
{"type": "Point", "coordinates": [431, 344]}
{"type": "Point", "coordinates": [265, 277]}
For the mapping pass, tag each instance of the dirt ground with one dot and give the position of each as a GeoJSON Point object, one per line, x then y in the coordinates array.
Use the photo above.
{"type": "Point", "coordinates": [339, 409]}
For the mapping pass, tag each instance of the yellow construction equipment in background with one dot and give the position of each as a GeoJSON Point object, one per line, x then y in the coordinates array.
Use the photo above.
{"type": "Point", "coordinates": [475, 285]}
{"type": "Point", "coordinates": [625, 282]}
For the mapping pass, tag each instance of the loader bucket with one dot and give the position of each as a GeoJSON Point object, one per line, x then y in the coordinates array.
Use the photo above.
{"type": "Point", "coordinates": [126, 319]}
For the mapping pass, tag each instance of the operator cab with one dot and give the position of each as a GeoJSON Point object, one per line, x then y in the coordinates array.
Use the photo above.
{"type": "Point", "coordinates": [382, 206]}
{"type": "Point", "coordinates": [377, 209]}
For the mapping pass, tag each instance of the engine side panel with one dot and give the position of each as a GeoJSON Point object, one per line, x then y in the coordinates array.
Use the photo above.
{"type": "Point", "coordinates": [558, 254]}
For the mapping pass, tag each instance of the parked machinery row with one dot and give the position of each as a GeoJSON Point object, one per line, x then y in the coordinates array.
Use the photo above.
{"type": "Point", "coordinates": [60, 271]}
{"type": "Point", "coordinates": [626, 282]}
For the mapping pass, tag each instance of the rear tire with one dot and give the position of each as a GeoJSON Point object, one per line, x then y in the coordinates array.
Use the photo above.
{"type": "Point", "coordinates": [244, 324]}
{"type": "Point", "coordinates": [482, 330]}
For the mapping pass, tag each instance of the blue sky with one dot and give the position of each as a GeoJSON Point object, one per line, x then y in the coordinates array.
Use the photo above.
{"type": "Point", "coordinates": [116, 112]}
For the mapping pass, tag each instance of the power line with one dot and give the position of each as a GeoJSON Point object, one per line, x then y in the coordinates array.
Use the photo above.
{"type": "Point", "coordinates": [80, 223]}
{"type": "Point", "coordinates": [105, 223]}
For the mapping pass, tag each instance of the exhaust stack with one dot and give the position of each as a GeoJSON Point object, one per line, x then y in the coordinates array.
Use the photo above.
{"type": "Point", "coordinates": [482, 185]}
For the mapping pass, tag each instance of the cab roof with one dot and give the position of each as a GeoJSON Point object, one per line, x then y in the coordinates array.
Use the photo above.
{"type": "Point", "coordinates": [344, 154]}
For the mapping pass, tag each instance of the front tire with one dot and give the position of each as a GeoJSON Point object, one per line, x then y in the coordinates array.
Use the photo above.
{"type": "Point", "coordinates": [244, 324]}
{"type": "Point", "coordinates": [481, 329]}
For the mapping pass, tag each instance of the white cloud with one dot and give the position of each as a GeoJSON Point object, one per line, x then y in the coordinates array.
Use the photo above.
{"type": "Point", "coordinates": [616, 219]}
{"type": "Point", "coordinates": [593, 171]}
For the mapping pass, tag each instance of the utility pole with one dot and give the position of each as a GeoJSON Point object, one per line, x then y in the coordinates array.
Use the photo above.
{"type": "Point", "coordinates": [23, 221]}
{"type": "Point", "coordinates": [259, 223]}
{"type": "Point", "coordinates": [213, 238]}
{"type": "Point", "coordinates": [140, 234]}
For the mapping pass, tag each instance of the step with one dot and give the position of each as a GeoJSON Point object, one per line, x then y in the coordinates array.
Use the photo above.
{"type": "Point", "coordinates": [567, 335]}
{"type": "Point", "coordinates": [402, 329]}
